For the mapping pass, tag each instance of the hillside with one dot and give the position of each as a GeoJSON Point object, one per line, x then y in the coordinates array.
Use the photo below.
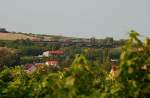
{"type": "Point", "coordinates": [14, 36]}
{"type": "Point", "coordinates": [35, 37]}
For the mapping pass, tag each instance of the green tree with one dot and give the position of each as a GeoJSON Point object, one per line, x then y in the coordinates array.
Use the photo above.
{"type": "Point", "coordinates": [31, 51]}
{"type": "Point", "coordinates": [8, 57]}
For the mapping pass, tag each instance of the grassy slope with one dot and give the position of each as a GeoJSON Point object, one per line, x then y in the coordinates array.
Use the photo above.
{"type": "Point", "coordinates": [14, 36]}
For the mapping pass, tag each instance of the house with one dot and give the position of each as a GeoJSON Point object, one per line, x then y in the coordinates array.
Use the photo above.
{"type": "Point", "coordinates": [114, 61]}
{"type": "Point", "coordinates": [53, 64]}
{"type": "Point", "coordinates": [53, 52]}
{"type": "Point", "coordinates": [29, 68]}
{"type": "Point", "coordinates": [57, 52]}
{"type": "Point", "coordinates": [46, 54]}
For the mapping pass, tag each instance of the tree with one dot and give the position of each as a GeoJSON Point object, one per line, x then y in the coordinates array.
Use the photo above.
{"type": "Point", "coordinates": [31, 51]}
{"type": "Point", "coordinates": [3, 30]}
{"type": "Point", "coordinates": [8, 57]}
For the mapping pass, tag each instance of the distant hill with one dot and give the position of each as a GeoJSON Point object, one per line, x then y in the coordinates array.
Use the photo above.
{"type": "Point", "coordinates": [33, 37]}
{"type": "Point", "coordinates": [14, 36]}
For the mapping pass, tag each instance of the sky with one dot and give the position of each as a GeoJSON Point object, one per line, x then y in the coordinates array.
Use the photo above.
{"type": "Point", "coordinates": [77, 18]}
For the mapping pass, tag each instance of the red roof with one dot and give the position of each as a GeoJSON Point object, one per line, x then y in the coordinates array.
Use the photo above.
{"type": "Point", "coordinates": [28, 66]}
{"type": "Point", "coordinates": [52, 62]}
{"type": "Point", "coordinates": [60, 52]}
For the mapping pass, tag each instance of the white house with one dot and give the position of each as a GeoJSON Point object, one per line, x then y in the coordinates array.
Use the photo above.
{"type": "Point", "coordinates": [46, 53]}
{"type": "Point", "coordinates": [53, 52]}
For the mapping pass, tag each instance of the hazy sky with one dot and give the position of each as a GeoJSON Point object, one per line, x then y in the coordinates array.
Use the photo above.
{"type": "Point", "coordinates": [82, 18]}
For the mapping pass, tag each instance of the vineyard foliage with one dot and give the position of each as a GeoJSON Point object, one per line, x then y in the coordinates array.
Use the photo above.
{"type": "Point", "coordinates": [82, 80]}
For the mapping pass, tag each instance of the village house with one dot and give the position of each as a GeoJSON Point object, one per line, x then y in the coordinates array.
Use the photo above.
{"type": "Point", "coordinates": [29, 68]}
{"type": "Point", "coordinates": [53, 52]}
{"type": "Point", "coordinates": [53, 64]}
